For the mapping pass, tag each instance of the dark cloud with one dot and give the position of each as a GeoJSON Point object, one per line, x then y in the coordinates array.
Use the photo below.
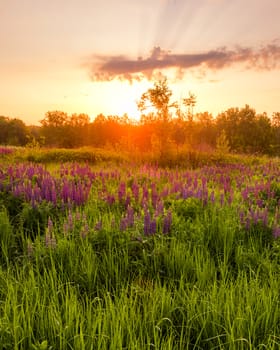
{"type": "Point", "coordinates": [106, 68]}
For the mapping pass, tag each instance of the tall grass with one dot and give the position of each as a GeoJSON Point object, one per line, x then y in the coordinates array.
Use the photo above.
{"type": "Point", "coordinates": [165, 293]}
{"type": "Point", "coordinates": [207, 284]}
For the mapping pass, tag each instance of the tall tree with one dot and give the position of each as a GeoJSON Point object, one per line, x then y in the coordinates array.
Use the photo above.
{"type": "Point", "coordinates": [190, 103]}
{"type": "Point", "coordinates": [55, 129]}
{"type": "Point", "coordinates": [159, 98]}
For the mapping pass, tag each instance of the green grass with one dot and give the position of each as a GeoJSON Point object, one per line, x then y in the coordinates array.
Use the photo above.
{"type": "Point", "coordinates": [206, 285]}
{"type": "Point", "coordinates": [95, 156]}
{"type": "Point", "coordinates": [165, 293]}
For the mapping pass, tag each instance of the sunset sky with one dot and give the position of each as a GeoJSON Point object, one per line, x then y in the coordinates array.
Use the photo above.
{"type": "Point", "coordinates": [99, 56]}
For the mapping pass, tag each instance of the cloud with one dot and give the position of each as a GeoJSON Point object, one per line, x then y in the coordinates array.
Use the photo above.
{"type": "Point", "coordinates": [106, 68]}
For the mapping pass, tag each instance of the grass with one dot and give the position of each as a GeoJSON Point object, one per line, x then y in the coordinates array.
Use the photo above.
{"type": "Point", "coordinates": [208, 284]}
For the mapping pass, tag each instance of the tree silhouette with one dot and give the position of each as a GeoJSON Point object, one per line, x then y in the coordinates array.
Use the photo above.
{"type": "Point", "coordinates": [190, 103]}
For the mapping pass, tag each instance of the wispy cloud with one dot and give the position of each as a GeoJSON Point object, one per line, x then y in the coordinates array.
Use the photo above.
{"type": "Point", "coordinates": [106, 68]}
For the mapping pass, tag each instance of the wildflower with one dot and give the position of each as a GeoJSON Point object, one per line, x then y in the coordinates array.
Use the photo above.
{"type": "Point", "coordinates": [123, 224]}
{"type": "Point", "coordinates": [98, 226]}
{"type": "Point", "coordinates": [84, 231]}
{"type": "Point", "coordinates": [50, 241]}
{"type": "Point", "coordinates": [212, 197]}
{"type": "Point", "coordinates": [66, 228]}
{"type": "Point", "coordinates": [50, 226]}
{"type": "Point", "coordinates": [276, 232]}
{"type": "Point", "coordinates": [167, 221]}
{"type": "Point", "coordinates": [130, 216]}
{"type": "Point", "coordinates": [150, 226]}
{"type": "Point", "coordinates": [222, 199]}
{"type": "Point", "coordinates": [121, 191]}
{"type": "Point", "coordinates": [153, 227]}
{"type": "Point", "coordinates": [147, 223]}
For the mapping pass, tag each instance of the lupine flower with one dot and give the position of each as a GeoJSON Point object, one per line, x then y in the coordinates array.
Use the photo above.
{"type": "Point", "coordinates": [122, 191]}
{"type": "Point", "coordinates": [84, 231]}
{"type": "Point", "coordinates": [222, 199]}
{"type": "Point", "coordinates": [212, 197]}
{"type": "Point", "coordinates": [167, 221]}
{"type": "Point", "coordinates": [123, 224]}
{"type": "Point", "coordinates": [150, 225]}
{"type": "Point", "coordinates": [153, 227]}
{"type": "Point", "coordinates": [50, 226]}
{"type": "Point", "coordinates": [66, 228]}
{"type": "Point", "coordinates": [50, 241]}
{"type": "Point", "coordinates": [147, 223]}
{"type": "Point", "coordinates": [98, 226]}
{"type": "Point", "coordinates": [276, 232]}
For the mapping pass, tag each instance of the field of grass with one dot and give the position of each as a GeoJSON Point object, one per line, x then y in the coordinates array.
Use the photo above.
{"type": "Point", "coordinates": [139, 256]}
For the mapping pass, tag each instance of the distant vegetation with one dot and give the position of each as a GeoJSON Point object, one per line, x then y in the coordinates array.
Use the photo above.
{"type": "Point", "coordinates": [165, 126]}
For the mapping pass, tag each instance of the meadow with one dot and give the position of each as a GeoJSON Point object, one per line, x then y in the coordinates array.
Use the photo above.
{"type": "Point", "coordinates": [100, 252]}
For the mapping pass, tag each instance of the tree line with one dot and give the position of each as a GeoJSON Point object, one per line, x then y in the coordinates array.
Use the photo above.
{"type": "Point", "coordinates": [164, 123]}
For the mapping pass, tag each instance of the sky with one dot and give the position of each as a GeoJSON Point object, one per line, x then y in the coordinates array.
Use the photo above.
{"type": "Point", "coordinates": [99, 56]}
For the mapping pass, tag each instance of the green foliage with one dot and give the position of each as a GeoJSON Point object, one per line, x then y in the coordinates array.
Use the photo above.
{"type": "Point", "coordinates": [222, 144]}
{"type": "Point", "coordinates": [90, 155]}
{"type": "Point", "coordinates": [209, 284]}
{"type": "Point", "coordinates": [33, 221]}
{"type": "Point", "coordinates": [7, 241]}
{"type": "Point", "coordinates": [188, 209]}
{"type": "Point", "coordinates": [13, 205]}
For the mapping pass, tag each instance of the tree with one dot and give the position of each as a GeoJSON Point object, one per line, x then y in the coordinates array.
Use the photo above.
{"type": "Point", "coordinates": [276, 131]}
{"type": "Point", "coordinates": [190, 103]}
{"type": "Point", "coordinates": [222, 144]}
{"type": "Point", "coordinates": [55, 129]}
{"type": "Point", "coordinates": [55, 119]}
{"type": "Point", "coordinates": [79, 129]}
{"type": "Point", "coordinates": [17, 132]}
{"type": "Point", "coordinates": [4, 126]}
{"type": "Point", "coordinates": [159, 98]}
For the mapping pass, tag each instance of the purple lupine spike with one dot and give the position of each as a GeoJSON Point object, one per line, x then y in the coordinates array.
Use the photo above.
{"type": "Point", "coordinates": [130, 216]}
{"type": "Point", "coordinates": [159, 208]}
{"type": "Point", "coordinates": [84, 231]}
{"type": "Point", "coordinates": [204, 182]}
{"type": "Point", "coordinates": [147, 223]}
{"type": "Point", "coordinates": [78, 216]}
{"type": "Point", "coordinates": [111, 199]}
{"type": "Point", "coordinates": [127, 201]}
{"type": "Point", "coordinates": [247, 224]}
{"type": "Point", "coordinates": [265, 217]}
{"type": "Point", "coordinates": [135, 191]}
{"type": "Point", "coordinates": [66, 228]}
{"type": "Point", "coordinates": [153, 227]}
{"type": "Point", "coordinates": [212, 197]}
{"type": "Point", "coordinates": [242, 217]}
{"type": "Point", "coordinates": [167, 221]}
{"type": "Point", "coordinates": [222, 199]}
{"type": "Point", "coordinates": [50, 226]}
{"type": "Point", "coordinates": [98, 226]}
{"type": "Point", "coordinates": [70, 221]}
{"type": "Point", "coordinates": [123, 224]}
{"type": "Point", "coordinates": [230, 197]}
{"type": "Point", "coordinates": [276, 232]}
{"type": "Point", "coordinates": [121, 191]}
{"type": "Point", "coordinates": [245, 194]}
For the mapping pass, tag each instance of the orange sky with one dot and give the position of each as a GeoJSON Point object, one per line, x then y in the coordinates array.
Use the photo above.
{"type": "Point", "coordinates": [99, 56]}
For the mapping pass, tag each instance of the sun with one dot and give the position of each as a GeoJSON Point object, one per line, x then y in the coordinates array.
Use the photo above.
{"type": "Point", "coordinates": [120, 97]}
